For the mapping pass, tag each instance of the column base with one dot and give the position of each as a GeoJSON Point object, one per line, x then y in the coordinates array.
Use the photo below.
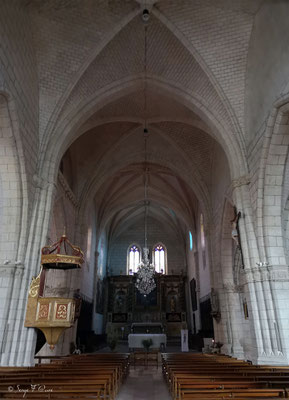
{"type": "Point", "coordinates": [238, 352]}
{"type": "Point", "coordinates": [226, 349]}
{"type": "Point", "coordinates": [280, 359]}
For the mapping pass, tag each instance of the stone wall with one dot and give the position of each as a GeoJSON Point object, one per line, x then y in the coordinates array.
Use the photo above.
{"type": "Point", "coordinates": [157, 233]}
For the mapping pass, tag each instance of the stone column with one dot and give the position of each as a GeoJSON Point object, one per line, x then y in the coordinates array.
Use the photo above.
{"type": "Point", "coordinates": [279, 284]}
{"type": "Point", "coordinates": [19, 346]}
{"type": "Point", "coordinates": [10, 280]}
{"type": "Point", "coordinates": [268, 287]}
{"type": "Point", "coordinates": [254, 294]}
{"type": "Point", "coordinates": [222, 329]}
{"type": "Point", "coordinates": [234, 313]}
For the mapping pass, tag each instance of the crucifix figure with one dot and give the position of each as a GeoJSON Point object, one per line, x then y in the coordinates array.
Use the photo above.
{"type": "Point", "coordinates": [235, 228]}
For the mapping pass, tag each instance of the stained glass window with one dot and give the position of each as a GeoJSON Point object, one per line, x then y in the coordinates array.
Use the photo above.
{"type": "Point", "coordinates": [203, 243]}
{"type": "Point", "coordinates": [160, 258]}
{"type": "Point", "coordinates": [88, 245]}
{"type": "Point", "coordinates": [133, 259]}
{"type": "Point", "coordinates": [191, 240]}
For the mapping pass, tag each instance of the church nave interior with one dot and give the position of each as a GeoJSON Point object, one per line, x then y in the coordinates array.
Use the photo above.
{"type": "Point", "coordinates": [144, 196]}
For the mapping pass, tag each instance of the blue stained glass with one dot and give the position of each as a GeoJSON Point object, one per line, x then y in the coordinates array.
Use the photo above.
{"type": "Point", "coordinates": [191, 240]}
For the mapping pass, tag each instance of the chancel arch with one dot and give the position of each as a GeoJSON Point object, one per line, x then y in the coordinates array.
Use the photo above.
{"type": "Point", "coordinates": [69, 132]}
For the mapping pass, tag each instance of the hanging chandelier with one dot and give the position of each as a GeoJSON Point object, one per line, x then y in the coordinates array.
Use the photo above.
{"type": "Point", "coordinates": [145, 281]}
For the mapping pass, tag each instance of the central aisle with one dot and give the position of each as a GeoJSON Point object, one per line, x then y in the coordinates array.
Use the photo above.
{"type": "Point", "coordinates": [144, 384]}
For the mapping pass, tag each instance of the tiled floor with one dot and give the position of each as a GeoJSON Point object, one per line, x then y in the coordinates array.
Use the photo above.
{"type": "Point", "coordinates": [144, 384]}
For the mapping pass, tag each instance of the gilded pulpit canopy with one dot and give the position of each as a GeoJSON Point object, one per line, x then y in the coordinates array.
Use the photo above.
{"type": "Point", "coordinates": [52, 315]}
{"type": "Point", "coordinates": [62, 255]}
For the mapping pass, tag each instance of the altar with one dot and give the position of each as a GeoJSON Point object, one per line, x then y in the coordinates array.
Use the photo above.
{"type": "Point", "coordinates": [164, 306]}
{"type": "Point", "coordinates": [145, 331]}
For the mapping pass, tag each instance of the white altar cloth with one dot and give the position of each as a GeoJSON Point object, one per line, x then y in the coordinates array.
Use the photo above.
{"type": "Point", "coordinates": [135, 340]}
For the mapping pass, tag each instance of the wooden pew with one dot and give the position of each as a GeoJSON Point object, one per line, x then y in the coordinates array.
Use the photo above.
{"type": "Point", "coordinates": [96, 376]}
{"type": "Point", "coordinates": [191, 376]}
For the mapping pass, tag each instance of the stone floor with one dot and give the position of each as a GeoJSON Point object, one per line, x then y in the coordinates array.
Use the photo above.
{"type": "Point", "coordinates": [144, 384]}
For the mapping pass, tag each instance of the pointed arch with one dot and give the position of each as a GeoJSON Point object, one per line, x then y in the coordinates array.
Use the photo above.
{"type": "Point", "coordinates": [160, 258]}
{"type": "Point", "coordinates": [133, 258]}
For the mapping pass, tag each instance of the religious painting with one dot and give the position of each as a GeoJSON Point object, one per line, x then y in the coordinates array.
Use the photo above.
{"type": "Point", "coordinates": [99, 297]}
{"type": "Point", "coordinates": [194, 294]}
{"type": "Point", "coordinates": [120, 301]}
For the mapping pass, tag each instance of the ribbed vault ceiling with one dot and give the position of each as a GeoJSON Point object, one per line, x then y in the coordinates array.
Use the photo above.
{"type": "Point", "coordinates": [109, 162]}
{"type": "Point", "coordinates": [96, 107]}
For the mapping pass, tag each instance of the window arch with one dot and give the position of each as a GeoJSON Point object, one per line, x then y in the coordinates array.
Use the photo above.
{"type": "Point", "coordinates": [203, 241]}
{"type": "Point", "coordinates": [202, 229]}
{"type": "Point", "coordinates": [160, 258]}
{"type": "Point", "coordinates": [191, 240]}
{"type": "Point", "coordinates": [133, 259]}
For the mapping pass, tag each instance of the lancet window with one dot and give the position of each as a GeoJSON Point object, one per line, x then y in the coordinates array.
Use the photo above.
{"type": "Point", "coordinates": [160, 258]}
{"type": "Point", "coordinates": [133, 259]}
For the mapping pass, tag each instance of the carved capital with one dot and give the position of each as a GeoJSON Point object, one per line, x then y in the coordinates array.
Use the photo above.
{"type": "Point", "coordinates": [41, 183]}
{"type": "Point", "coordinates": [279, 274]}
{"type": "Point", "coordinates": [230, 287]}
{"type": "Point", "coordinates": [254, 274]}
{"type": "Point", "coordinates": [266, 273]}
{"type": "Point", "coordinates": [241, 181]}
{"type": "Point", "coordinates": [11, 269]}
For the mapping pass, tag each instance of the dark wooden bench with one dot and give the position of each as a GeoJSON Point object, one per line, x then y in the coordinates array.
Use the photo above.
{"type": "Point", "coordinates": [191, 376]}
{"type": "Point", "coordinates": [81, 377]}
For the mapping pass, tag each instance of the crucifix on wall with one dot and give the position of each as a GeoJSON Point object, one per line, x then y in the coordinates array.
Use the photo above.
{"type": "Point", "coordinates": [238, 256]}
{"type": "Point", "coordinates": [235, 227]}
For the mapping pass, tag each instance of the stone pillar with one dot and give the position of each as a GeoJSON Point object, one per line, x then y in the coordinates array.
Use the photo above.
{"type": "Point", "coordinates": [19, 345]}
{"type": "Point", "coordinates": [10, 280]}
{"type": "Point", "coordinates": [268, 288]}
{"type": "Point", "coordinates": [222, 329]}
{"type": "Point", "coordinates": [279, 322]}
{"type": "Point", "coordinates": [232, 296]}
{"type": "Point", "coordinates": [249, 245]}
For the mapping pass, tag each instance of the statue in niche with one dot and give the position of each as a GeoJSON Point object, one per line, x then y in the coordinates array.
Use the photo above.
{"type": "Point", "coordinates": [214, 301]}
{"type": "Point", "coordinates": [119, 303]}
{"type": "Point", "coordinates": [215, 306]}
{"type": "Point", "coordinates": [173, 304]}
